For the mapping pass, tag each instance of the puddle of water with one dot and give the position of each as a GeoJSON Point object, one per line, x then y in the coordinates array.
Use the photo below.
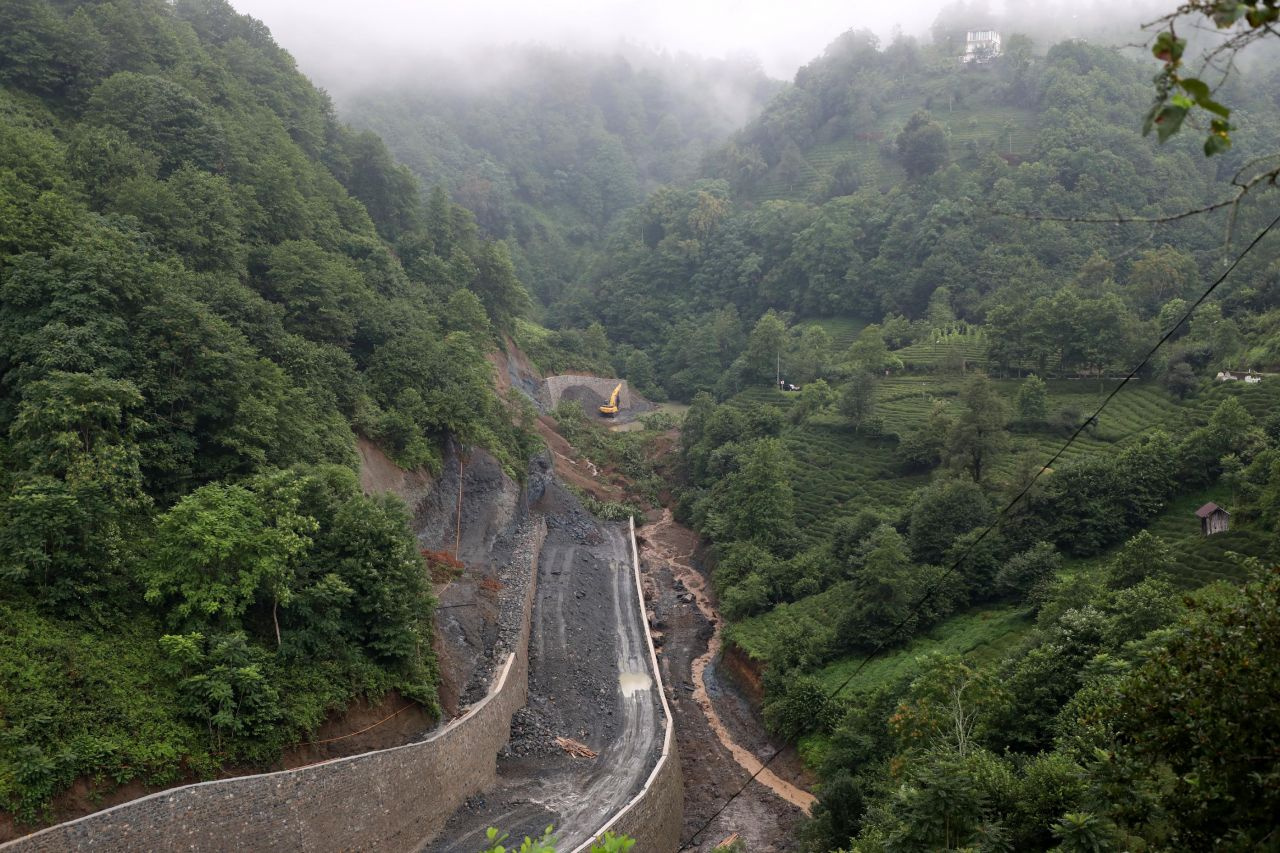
{"type": "Point", "coordinates": [634, 682]}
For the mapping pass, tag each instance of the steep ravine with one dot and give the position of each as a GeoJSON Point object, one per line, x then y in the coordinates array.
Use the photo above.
{"type": "Point", "coordinates": [722, 742]}
{"type": "Point", "coordinates": [589, 676]}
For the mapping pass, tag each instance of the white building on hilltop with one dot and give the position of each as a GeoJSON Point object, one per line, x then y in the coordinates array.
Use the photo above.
{"type": "Point", "coordinates": [980, 46]}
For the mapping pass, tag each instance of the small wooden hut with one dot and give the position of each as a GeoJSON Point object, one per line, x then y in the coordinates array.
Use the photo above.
{"type": "Point", "coordinates": [1213, 519]}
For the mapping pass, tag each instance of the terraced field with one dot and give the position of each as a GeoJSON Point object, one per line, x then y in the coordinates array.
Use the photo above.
{"type": "Point", "coordinates": [1006, 129]}
{"type": "Point", "coordinates": [932, 354]}
{"type": "Point", "coordinates": [980, 635]}
{"type": "Point", "coordinates": [776, 186]}
{"type": "Point", "coordinates": [763, 395]}
{"type": "Point", "coordinates": [905, 400]}
{"type": "Point", "coordinates": [1205, 560]}
{"type": "Point", "coordinates": [1139, 409]}
{"type": "Point", "coordinates": [875, 167]}
{"type": "Point", "coordinates": [1198, 559]}
{"type": "Point", "coordinates": [751, 635]}
{"type": "Point", "coordinates": [838, 472]}
{"type": "Point", "coordinates": [843, 330]}
{"type": "Point", "coordinates": [1261, 400]}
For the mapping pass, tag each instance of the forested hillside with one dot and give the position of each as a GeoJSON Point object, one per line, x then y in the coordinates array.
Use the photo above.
{"type": "Point", "coordinates": [883, 238]}
{"type": "Point", "coordinates": [882, 185]}
{"type": "Point", "coordinates": [548, 147]}
{"type": "Point", "coordinates": [893, 235]}
{"type": "Point", "coordinates": [208, 287]}
{"type": "Point", "coordinates": [876, 289]}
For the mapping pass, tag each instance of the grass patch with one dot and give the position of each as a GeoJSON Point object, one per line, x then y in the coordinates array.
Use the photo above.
{"type": "Point", "coordinates": [752, 634]}
{"type": "Point", "coordinates": [981, 636]}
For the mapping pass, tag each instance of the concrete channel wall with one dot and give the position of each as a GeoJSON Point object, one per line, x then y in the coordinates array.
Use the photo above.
{"type": "Point", "coordinates": [655, 815]}
{"type": "Point", "coordinates": [391, 799]}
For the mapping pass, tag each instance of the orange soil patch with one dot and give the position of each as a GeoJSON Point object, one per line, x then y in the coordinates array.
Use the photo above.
{"type": "Point", "coordinates": [572, 468]}
{"type": "Point", "coordinates": [379, 474]}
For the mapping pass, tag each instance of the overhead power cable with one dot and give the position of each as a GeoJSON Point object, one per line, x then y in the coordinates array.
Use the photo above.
{"type": "Point", "coordinates": [955, 565]}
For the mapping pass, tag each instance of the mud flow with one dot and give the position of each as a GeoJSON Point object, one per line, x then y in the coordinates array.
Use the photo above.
{"type": "Point", "coordinates": [590, 683]}
{"type": "Point", "coordinates": [720, 734]}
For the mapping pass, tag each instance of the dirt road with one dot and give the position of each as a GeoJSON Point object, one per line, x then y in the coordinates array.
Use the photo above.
{"type": "Point", "coordinates": [589, 681]}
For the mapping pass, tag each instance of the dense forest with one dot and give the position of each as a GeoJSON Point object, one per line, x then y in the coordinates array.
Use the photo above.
{"type": "Point", "coordinates": [208, 287]}
{"type": "Point", "coordinates": [892, 235]}
{"type": "Point", "coordinates": [870, 291]}
{"type": "Point", "coordinates": [883, 187]}
{"type": "Point", "coordinates": [549, 147]}
{"type": "Point", "coordinates": [1068, 677]}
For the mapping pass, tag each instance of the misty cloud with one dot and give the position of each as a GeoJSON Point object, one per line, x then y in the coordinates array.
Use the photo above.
{"type": "Point", "coordinates": [337, 40]}
{"type": "Point", "coordinates": [345, 45]}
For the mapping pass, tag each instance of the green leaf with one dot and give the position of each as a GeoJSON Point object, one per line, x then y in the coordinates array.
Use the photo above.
{"type": "Point", "coordinates": [1226, 13]}
{"type": "Point", "coordinates": [1202, 96]}
{"type": "Point", "coordinates": [1262, 15]}
{"type": "Point", "coordinates": [1169, 121]}
{"type": "Point", "coordinates": [1168, 48]}
{"type": "Point", "coordinates": [1214, 107]}
{"type": "Point", "coordinates": [1197, 89]}
{"type": "Point", "coordinates": [1216, 143]}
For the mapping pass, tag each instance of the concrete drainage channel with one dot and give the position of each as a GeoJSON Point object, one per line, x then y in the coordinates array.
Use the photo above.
{"type": "Point", "coordinates": [593, 683]}
{"type": "Point", "coordinates": [654, 815]}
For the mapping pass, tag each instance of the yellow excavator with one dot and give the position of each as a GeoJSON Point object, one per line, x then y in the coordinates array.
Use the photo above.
{"type": "Point", "coordinates": [610, 408]}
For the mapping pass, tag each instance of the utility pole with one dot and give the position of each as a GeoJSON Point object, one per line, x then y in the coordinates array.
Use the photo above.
{"type": "Point", "coordinates": [457, 536]}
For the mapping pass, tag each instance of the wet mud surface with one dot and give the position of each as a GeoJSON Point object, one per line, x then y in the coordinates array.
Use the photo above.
{"type": "Point", "coordinates": [589, 681]}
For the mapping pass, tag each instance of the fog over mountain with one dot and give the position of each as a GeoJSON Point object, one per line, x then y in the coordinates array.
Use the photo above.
{"type": "Point", "coordinates": [344, 45]}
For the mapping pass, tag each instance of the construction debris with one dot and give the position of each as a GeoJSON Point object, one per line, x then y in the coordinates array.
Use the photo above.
{"type": "Point", "coordinates": [574, 748]}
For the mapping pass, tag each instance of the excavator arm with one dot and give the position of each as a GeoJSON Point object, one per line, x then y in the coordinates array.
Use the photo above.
{"type": "Point", "coordinates": [610, 408]}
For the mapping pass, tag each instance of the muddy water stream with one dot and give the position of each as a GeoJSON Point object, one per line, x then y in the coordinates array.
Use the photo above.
{"type": "Point", "coordinates": [674, 544]}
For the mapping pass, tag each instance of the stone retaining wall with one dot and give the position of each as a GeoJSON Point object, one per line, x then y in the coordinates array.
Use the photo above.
{"type": "Point", "coordinates": [391, 799]}
{"type": "Point", "coordinates": [555, 386]}
{"type": "Point", "coordinates": [655, 815]}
